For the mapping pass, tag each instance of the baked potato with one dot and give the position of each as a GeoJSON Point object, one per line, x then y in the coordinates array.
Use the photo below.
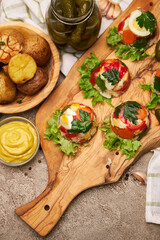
{"type": "Point", "coordinates": [21, 68]}
{"type": "Point", "coordinates": [38, 48]}
{"type": "Point", "coordinates": [7, 89]}
{"type": "Point", "coordinates": [34, 85]}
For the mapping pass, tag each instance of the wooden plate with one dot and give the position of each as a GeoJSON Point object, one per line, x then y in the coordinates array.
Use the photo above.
{"type": "Point", "coordinates": [69, 176]}
{"type": "Point", "coordinates": [53, 68]}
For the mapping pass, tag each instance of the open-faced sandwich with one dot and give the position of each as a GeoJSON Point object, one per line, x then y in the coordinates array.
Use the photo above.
{"type": "Point", "coordinates": [134, 34]}
{"type": "Point", "coordinates": [128, 123]}
{"type": "Point", "coordinates": [103, 80]}
{"type": "Point", "coordinates": [71, 126]}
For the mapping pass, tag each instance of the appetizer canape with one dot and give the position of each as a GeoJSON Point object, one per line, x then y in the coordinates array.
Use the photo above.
{"type": "Point", "coordinates": [139, 28]}
{"type": "Point", "coordinates": [77, 123]}
{"type": "Point", "coordinates": [130, 119]}
{"type": "Point", "coordinates": [103, 80]}
{"type": "Point", "coordinates": [111, 78]}
{"type": "Point", "coordinates": [128, 123]}
{"type": "Point", "coordinates": [134, 35]}
{"type": "Point", "coordinates": [71, 126]}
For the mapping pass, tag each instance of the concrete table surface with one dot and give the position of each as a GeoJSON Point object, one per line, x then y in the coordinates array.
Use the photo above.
{"type": "Point", "coordinates": [115, 211]}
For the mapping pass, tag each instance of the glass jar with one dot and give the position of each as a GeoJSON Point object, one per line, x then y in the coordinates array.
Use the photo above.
{"type": "Point", "coordinates": [73, 22]}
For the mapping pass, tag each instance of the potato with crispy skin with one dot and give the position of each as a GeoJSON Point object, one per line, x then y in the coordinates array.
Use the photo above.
{"type": "Point", "coordinates": [21, 68]}
{"type": "Point", "coordinates": [35, 84]}
{"type": "Point", "coordinates": [7, 89]}
{"type": "Point", "coordinates": [38, 48]}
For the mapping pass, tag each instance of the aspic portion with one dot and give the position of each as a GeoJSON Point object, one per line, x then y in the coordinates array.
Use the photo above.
{"type": "Point", "coordinates": [71, 127]}
{"type": "Point", "coordinates": [111, 78]}
{"type": "Point", "coordinates": [138, 29]}
{"type": "Point", "coordinates": [130, 119]}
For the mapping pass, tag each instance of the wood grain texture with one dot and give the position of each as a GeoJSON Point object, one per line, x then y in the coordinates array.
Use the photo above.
{"type": "Point", "coordinates": [53, 69]}
{"type": "Point", "coordinates": [68, 176]}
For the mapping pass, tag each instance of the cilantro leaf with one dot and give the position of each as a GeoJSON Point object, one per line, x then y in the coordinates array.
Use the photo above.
{"type": "Point", "coordinates": [84, 83]}
{"type": "Point", "coordinates": [147, 20]}
{"type": "Point", "coordinates": [83, 125]}
{"type": "Point", "coordinates": [100, 83]}
{"type": "Point", "coordinates": [157, 83]}
{"type": "Point", "coordinates": [53, 133]}
{"type": "Point", "coordinates": [130, 110]}
{"type": "Point", "coordinates": [128, 147]}
{"type": "Point", "coordinates": [112, 76]}
{"type": "Point", "coordinates": [113, 39]}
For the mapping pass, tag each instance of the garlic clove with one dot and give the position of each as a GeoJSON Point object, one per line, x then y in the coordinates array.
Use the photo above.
{"type": "Point", "coordinates": [117, 11]}
{"type": "Point", "coordinates": [140, 176]}
{"type": "Point", "coordinates": [103, 6]}
{"type": "Point", "coordinates": [109, 13]}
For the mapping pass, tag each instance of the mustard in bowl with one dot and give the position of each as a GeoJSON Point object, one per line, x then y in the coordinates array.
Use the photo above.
{"type": "Point", "coordinates": [19, 141]}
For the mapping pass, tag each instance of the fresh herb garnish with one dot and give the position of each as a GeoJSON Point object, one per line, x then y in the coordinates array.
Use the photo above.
{"type": "Point", "coordinates": [2, 43]}
{"type": "Point", "coordinates": [130, 110]}
{"type": "Point", "coordinates": [147, 20]}
{"type": "Point", "coordinates": [112, 76]}
{"type": "Point", "coordinates": [84, 83]}
{"type": "Point", "coordinates": [100, 83]}
{"type": "Point", "coordinates": [128, 147]}
{"type": "Point", "coordinates": [83, 125]}
{"type": "Point", "coordinates": [53, 133]}
{"type": "Point", "coordinates": [155, 99]}
{"type": "Point", "coordinates": [138, 52]}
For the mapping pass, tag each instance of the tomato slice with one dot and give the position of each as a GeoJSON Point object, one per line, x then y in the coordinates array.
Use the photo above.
{"type": "Point", "coordinates": [123, 132]}
{"type": "Point", "coordinates": [121, 24]}
{"type": "Point", "coordinates": [68, 134]}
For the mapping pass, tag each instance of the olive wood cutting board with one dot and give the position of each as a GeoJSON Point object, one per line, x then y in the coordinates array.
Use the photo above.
{"type": "Point", "coordinates": [69, 176]}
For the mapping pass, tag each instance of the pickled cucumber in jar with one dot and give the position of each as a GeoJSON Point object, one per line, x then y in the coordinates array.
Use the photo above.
{"type": "Point", "coordinates": [73, 22]}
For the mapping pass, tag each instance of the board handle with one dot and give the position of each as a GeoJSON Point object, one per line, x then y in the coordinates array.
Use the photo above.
{"type": "Point", "coordinates": [44, 212]}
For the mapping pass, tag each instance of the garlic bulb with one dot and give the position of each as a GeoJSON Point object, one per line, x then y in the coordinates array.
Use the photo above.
{"type": "Point", "coordinates": [109, 8]}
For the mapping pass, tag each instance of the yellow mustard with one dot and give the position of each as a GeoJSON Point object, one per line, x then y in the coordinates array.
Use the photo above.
{"type": "Point", "coordinates": [18, 141]}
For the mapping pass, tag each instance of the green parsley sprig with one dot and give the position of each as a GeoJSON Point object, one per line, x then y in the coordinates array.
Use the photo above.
{"type": "Point", "coordinates": [83, 125]}
{"type": "Point", "coordinates": [128, 147]}
{"type": "Point", "coordinates": [84, 83]}
{"type": "Point", "coordinates": [147, 20]}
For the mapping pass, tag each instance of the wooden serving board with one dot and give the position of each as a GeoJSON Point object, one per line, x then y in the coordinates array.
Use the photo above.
{"type": "Point", "coordinates": [68, 176]}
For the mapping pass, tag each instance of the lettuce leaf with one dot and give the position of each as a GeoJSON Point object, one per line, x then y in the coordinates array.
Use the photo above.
{"type": "Point", "coordinates": [128, 147]}
{"type": "Point", "coordinates": [53, 133]}
{"type": "Point", "coordinates": [84, 83]}
{"type": "Point", "coordinates": [155, 99]}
